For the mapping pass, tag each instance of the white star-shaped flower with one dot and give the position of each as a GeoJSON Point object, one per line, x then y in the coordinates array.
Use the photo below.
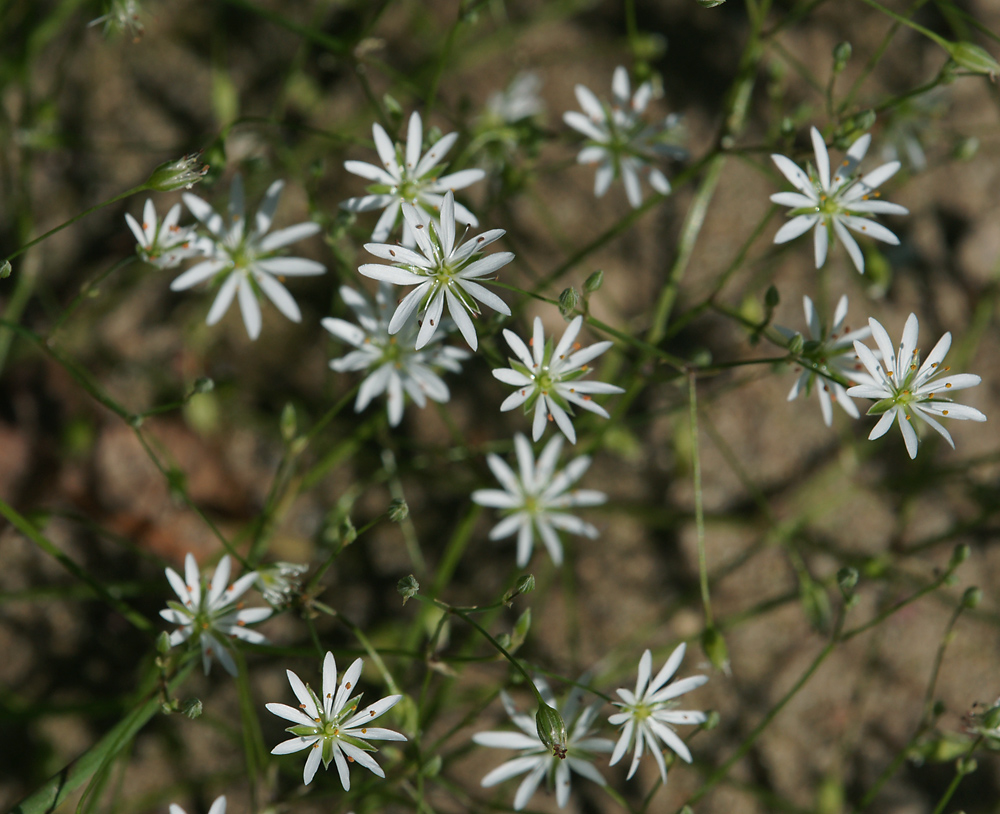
{"type": "Point", "coordinates": [536, 498]}
{"type": "Point", "coordinates": [536, 760]}
{"type": "Point", "coordinates": [621, 143]}
{"type": "Point", "coordinates": [406, 177]}
{"type": "Point", "coordinates": [829, 352]}
{"type": "Point", "coordinates": [647, 715]}
{"type": "Point", "coordinates": [330, 726]}
{"type": "Point", "coordinates": [445, 272]}
{"type": "Point", "coordinates": [548, 379]}
{"type": "Point", "coordinates": [395, 366]}
{"type": "Point", "coordinates": [905, 388]}
{"type": "Point", "coordinates": [209, 613]}
{"type": "Point", "coordinates": [836, 204]}
{"type": "Point", "coordinates": [163, 244]}
{"type": "Point", "coordinates": [243, 257]}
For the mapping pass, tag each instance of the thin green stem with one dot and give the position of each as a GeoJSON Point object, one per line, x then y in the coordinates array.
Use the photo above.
{"type": "Point", "coordinates": [699, 507]}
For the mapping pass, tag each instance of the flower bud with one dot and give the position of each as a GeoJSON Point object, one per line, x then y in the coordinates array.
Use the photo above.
{"type": "Point", "coordinates": [973, 58]}
{"type": "Point", "coordinates": [525, 585]}
{"type": "Point", "coordinates": [959, 555]}
{"type": "Point", "coordinates": [594, 282]}
{"type": "Point", "coordinates": [710, 3]}
{"type": "Point", "coordinates": [203, 384]}
{"type": "Point", "coordinates": [715, 648]}
{"type": "Point", "coordinates": [972, 597]}
{"type": "Point", "coordinates": [163, 643]}
{"type": "Point", "coordinates": [568, 301]}
{"type": "Point", "coordinates": [771, 297]}
{"type": "Point", "coordinates": [182, 172]}
{"type": "Point", "coordinates": [841, 56]}
{"type": "Point", "coordinates": [847, 579]}
{"type": "Point", "coordinates": [551, 729]}
{"type": "Point", "coordinates": [5, 270]}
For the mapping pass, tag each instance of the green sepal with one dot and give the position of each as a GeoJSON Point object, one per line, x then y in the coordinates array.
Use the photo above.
{"type": "Point", "coordinates": [882, 406]}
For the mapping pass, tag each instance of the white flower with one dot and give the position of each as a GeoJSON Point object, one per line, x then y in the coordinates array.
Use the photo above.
{"type": "Point", "coordinates": [163, 244]}
{"type": "Point", "coordinates": [905, 388]}
{"type": "Point", "coordinates": [218, 807]}
{"type": "Point", "coordinates": [648, 714]}
{"type": "Point", "coordinates": [536, 498]}
{"type": "Point", "coordinates": [537, 760]}
{"type": "Point", "coordinates": [396, 366]}
{"type": "Point", "coordinates": [620, 140]}
{"type": "Point", "coordinates": [209, 613]}
{"type": "Point", "coordinates": [406, 177]}
{"type": "Point", "coordinates": [839, 203]}
{"type": "Point", "coordinates": [243, 256]}
{"type": "Point", "coordinates": [444, 272]}
{"type": "Point", "coordinates": [518, 101]}
{"type": "Point", "coordinates": [829, 352]}
{"type": "Point", "coordinates": [549, 379]}
{"type": "Point", "coordinates": [330, 726]}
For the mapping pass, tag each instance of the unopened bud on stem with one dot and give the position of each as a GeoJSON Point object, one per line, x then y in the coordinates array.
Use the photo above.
{"type": "Point", "coordinates": [551, 730]}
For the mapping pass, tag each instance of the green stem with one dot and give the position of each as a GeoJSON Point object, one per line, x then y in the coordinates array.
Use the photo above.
{"type": "Point", "coordinates": [699, 508]}
{"type": "Point", "coordinates": [74, 219]}
{"type": "Point", "coordinates": [29, 530]}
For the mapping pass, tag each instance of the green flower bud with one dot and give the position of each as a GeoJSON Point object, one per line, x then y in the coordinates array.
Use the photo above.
{"type": "Point", "coordinates": [181, 172]}
{"type": "Point", "coordinates": [5, 270]}
{"type": "Point", "coordinates": [715, 648]}
{"type": "Point", "coordinates": [959, 555]}
{"type": "Point", "coordinates": [973, 58]}
{"type": "Point", "coordinates": [710, 3]}
{"type": "Point", "coordinates": [847, 579]}
{"type": "Point", "coordinates": [163, 643]}
{"type": "Point", "coordinates": [841, 56]}
{"type": "Point", "coordinates": [408, 587]}
{"type": "Point", "coordinates": [972, 597]}
{"type": "Point", "coordinates": [796, 344]}
{"type": "Point", "coordinates": [525, 585]}
{"type": "Point", "coordinates": [771, 297]}
{"type": "Point", "coordinates": [594, 282]}
{"type": "Point", "coordinates": [568, 301]}
{"type": "Point", "coordinates": [551, 729]}
{"type": "Point", "coordinates": [204, 384]}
